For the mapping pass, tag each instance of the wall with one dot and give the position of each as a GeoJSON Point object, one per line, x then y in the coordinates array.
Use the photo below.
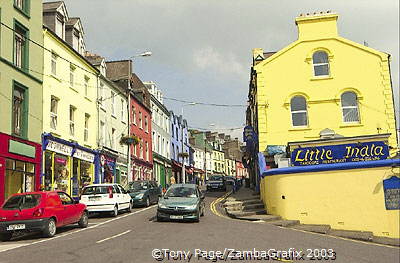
{"type": "Point", "coordinates": [351, 199]}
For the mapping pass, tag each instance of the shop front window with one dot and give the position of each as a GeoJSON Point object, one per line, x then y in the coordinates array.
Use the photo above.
{"type": "Point", "coordinates": [61, 173]}
{"type": "Point", "coordinates": [20, 177]}
{"type": "Point", "coordinates": [85, 174]}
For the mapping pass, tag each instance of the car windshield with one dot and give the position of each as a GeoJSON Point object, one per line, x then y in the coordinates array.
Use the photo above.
{"type": "Point", "coordinates": [92, 190]}
{"type": "Point", "coordinates": [216, 178]}
{"type": "Point", "coordinates": [137, 186]}
{"type": "Point", "coordinates": [181, 191]}
{"type": "Point", "coordinates": [22, 202]}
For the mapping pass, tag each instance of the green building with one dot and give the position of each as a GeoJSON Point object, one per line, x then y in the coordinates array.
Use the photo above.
{"type": "Point", "coordinates": [21, 67]}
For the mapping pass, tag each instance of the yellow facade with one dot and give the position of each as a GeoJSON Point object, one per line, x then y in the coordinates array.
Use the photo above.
{"type": "Point", "coordinates": [218, 158]}
{"type": "Point", "coordinates": [352, 67]}
{"type": "Point", "coordinates": [68, 94]}
{"type": "Point", "coordinates": [344, 199]}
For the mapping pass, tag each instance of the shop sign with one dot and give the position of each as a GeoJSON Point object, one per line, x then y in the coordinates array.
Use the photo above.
{"type": "Point", "coordinates": [355, 152]}
{"type": "Point", "coordinates": [86, 156]}
{"type": "Point", "coordinates": [391, 187]}
{"type": "Point", "coordinates": [59, 148]}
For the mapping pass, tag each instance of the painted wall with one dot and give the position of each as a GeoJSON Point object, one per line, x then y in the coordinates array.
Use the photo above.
{"type": "Point", "coordinates": [59, 86]}
{"type": "Point", "coordinates": [30, 76]}
{"type": "Point", "coordinates": [353, 67]}
{"type": "Point", "coordinates": [176, 138]}
{"type": "Point", "coordinates": [351, 199]}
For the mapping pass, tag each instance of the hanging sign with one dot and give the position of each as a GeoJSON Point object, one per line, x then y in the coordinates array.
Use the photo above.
{"type": "Point", "coordinates": [59, 148]}
{"type": "Point", "coordinates": [86, 156]}
{"type": "Point", "coordinates": [355, 152]}
{"type": "Point", "coordinates": [391, 187]}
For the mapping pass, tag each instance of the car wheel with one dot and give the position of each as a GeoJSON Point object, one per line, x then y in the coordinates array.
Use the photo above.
{"type": "Point", "coordinates": [84, 221]}
{"type": "Point", "coordinates": [114, 213]}
{"type": "Point", "coordinates": [130, 207]}
{"type": "Point", "coordinates": [50, 228]}
{"type": "Point", "coordinates": [197, 219]}
{"type": "Point", "coordinates": [147, 202]}
{"type": "Point", "coordinates": [5, 236]}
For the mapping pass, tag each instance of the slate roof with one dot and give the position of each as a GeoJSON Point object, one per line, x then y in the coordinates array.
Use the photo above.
{"type": "Point", "coordinates": [51, 6]}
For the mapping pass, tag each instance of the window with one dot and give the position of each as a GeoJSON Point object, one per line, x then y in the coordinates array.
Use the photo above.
{"type": "Point", "coordinates": [350, 107]}
{"type": "Point", "coordinates": [72, 120]}
{"type": "Point", "coordinates": [113, 103]}
{"type": "Point", "coordinates": [21, 46]}
{"type": "Point", "coordinates": [19, 119]}
{"type": "Point", "coordinates": [102, 133]}
{"type": "Point", "coordinates": [159, 144]}
{"type": "Point", "coordinates": [101, 94]}
{"type": "Point", "coordinates": [141, 150]}
{"type": "Point", "coordinates": [147, 151]}
{"type": "Point", "coordinates": [86, 130]}
{"type": "Point", "coordinates": [140, 120]}
{"type": "Point", "coordinates": [53, 112]}
{"type": "Point", "coordinates": [298, 107]}
{"type": "Point", "coordinates": [75, 41]}
{"type": "Point", "coordinates": [71, 75]}
{"type": "Point", "coordinates": [153, 137]}
{"type": "Point", "coordinates": [122, 110]}
{"type": "Point", "coordinates": [133, 115]}
{"type": "Point", "coordinates": [86, 86]}
{"type": "Point", "coordinates": [54, 64]}
{"type": "Point", "coordinates": [21, 4]}
{"type": "Point", "coordinates": [60, 26]}
{"type": "Point", "coordinates": [112, 137]}
{"type": "Point", "coordinates": [146, 127]}
{"type": "Point", "coordinates": [321, 63]}
{"type": "Point", "coordinates": [19, 178]}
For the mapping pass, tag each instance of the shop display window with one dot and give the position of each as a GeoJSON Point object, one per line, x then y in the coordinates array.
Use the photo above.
{"type": "Point", "coordinates": [20, 177]}
{"type": "Point", "coordinates": [86, 174]}
{"type": "Point", "coordinates": [61, 173]}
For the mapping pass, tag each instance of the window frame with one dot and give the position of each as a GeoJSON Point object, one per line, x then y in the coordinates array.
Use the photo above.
{"type": "Point", "coordinates": [86, 128]}
{"type": "Point", "coordinates": [72, 69]}
{"type": "Point", "coordinates": [321, 64]}
{"type": "Point", "coordinates": [24, 48]}
{"type": "Point", "coordinates": [350, 107]}
{"type": "Point", "coordinates": [54, 115]}
{"type": "Point", "coordinates": [53, 63]}
{"type": "Point", "coordinates": [113, 103]}
{"type": "Point", "coordinates": [25, 9]}
{"type": "Point", "coordinates": [86, 86]}
{"type": "Point", "coordinates": [24, 110]}
{"type": "Point", "coordinates": [299, 111]}
{"type": "Point", "coordinates": [72, 111]}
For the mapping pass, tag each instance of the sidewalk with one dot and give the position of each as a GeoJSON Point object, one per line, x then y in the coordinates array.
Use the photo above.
{"type": "Point", "coordinates": [246, 205]}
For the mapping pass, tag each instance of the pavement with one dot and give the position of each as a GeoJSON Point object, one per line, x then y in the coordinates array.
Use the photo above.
{"type": "Point", "coordinates": [137, 237]}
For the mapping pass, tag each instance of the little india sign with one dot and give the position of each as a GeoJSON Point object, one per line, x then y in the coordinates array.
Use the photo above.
{"type": "Point", "coordinates": [355, 152]}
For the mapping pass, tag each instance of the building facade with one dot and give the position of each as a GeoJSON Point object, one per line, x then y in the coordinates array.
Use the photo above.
{"type": "Point", "coordinates": [112, 110]}
{"type": "Point", "coordinates": [69, 128]}
{"type": "Point", "coordinates": [161, 136]}
{"type": "Point", "coordinates": [180, 149]}
{"type": "Point", "coordinates": [203, 150]}
{"type": "Point", "coordinates": [329, 88]}
{"type": "Point", "coordinates": [21, 76]}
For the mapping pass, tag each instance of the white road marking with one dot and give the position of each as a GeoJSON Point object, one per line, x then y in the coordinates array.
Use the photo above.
{"type": "Point", "coordinates": [11, 247]}
{"type": "Point", "coordinates": [108, 238]}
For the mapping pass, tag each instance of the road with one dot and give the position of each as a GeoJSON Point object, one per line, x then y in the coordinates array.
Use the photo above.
{"type": "Point", "coordinates": [133, 237]}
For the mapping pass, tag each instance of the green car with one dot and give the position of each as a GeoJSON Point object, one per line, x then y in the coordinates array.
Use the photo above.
{"type": "Point", "coordinates": [144, 192]}
{"type": "Point", "coordinates": [181, 202]}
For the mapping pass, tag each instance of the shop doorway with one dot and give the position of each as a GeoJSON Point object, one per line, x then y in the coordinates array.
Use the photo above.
{"type": "Point", "coordinates": [20, 177]}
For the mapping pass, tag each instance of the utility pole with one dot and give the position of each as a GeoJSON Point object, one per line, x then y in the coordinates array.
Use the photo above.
{"type": "Point", "coordinates": [183, 157]}
{"type": "Point", "coordinates": [205, 158]}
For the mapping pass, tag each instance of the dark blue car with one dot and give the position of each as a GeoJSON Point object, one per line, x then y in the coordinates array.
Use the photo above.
{"type": "Point", "coordinates": [144, 193]}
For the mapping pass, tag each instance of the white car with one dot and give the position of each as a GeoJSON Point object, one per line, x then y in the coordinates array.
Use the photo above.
{"type": "Point", "coordinates": [106, 198]}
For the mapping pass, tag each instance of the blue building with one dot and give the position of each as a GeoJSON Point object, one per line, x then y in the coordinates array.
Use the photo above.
{"type": "Point", "coordinates": [179, 132]}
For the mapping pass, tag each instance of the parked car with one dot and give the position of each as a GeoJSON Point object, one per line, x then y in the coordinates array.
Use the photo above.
{"type": "Point", "coordinates": [111, 198]}
{"type": "Point", "coordinates": [181, 202]}
{"type": "Point", "coordinates": [40, 211]}
{"type": "Point", "coordinates": [216, 182]}
{"type": "Point", "coordinates": [144, 192]}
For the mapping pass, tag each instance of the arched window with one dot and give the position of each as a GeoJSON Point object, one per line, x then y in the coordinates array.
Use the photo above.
{"type": "Point", "coordinates": [350, 107]}
{"type": "Point", "coordinates": [298, 108]}
{"type": "Point", "coordinates": [320, 63]}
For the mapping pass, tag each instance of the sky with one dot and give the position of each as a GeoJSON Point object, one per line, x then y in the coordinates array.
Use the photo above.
{"type": "Point", "coordinates": [202, 49]}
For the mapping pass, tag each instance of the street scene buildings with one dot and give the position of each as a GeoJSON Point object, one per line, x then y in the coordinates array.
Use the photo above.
{"type": "Point", "coordinates": [318, 152]}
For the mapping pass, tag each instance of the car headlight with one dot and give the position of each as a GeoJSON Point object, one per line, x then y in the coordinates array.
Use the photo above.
{"type": "Point", "coordinates": [191, 207]}
{"type": "Point", "coordinates": [162, 206]}
{"type": "Point", "coordinates": [140, 195]}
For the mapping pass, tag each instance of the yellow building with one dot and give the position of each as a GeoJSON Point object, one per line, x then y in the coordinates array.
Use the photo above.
{"type": "Point", "coordinates": [70, 122]}
{"type": "Point", "coordinates": [320, 81]}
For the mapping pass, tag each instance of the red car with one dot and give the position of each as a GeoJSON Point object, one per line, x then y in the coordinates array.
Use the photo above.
{"type": "Point", "coordinates": [40, 211]}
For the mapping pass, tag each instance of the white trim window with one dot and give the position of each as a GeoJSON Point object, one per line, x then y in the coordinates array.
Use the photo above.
{"type": "Point", "coordinates": [19, 47]}
{"type": "Point", "coordinates": [147, 151]}
{"type": "Point", "coordinates": [101, 94]}
{"type": "Point", "coordinates": [350, 111]}
{"type": "Point", "coordinates": [320, 63]}
{"type": "Point", "coordinates": [122, 110]}
{"type": "Point", "coordinates": [86, 86]}
{"type": "Point", "coordinates": [54, 63]}
{"type": "Point", "coordinates": [113, 138]}
{"type": "Point", "coordinates": [140, 120]}
{"type": "Point", "coordinates": [141, 150]}
{"type": "Point", "coordinates": [134, 115]}
{"type": "Point", "coordinates": [86, 129]}
{"type": "Point", "coordinates": [113, 103]}
{"type": "Point", "coordinates": [71, 75]}
{"type": "Point", "coordinates": [102, 133]}
{"type": "Point", "coordinates": [53, 112]}
{"type": "Point", "coordinates": [298, 108]}
{"type": "Point", "coordinates": [60, 26]}
{"type": "Point", "coordinates": [72, 110]}
{"type": "Point", "coordinates": [146, 124]}
{"type": "Point", "coordinates": [20, 4]}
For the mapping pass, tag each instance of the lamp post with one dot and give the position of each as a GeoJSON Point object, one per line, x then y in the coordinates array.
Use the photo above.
{"type": "Point", "coordinates": [129, 105]}
{"type": "Point", "coordinates": [183, 144]}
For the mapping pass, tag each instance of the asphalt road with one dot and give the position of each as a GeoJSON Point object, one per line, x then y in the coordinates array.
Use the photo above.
{"type": "Point", "coordinates": [134, 237]}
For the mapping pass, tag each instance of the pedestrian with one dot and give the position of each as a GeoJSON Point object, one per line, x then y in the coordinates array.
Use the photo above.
{"type": "Point", "coordinates": [172, 180]}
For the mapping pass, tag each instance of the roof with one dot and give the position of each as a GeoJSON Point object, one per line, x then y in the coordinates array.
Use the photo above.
{"type": "Point", "coordinates": [72, 21]}
{"type": "Point", "coordinates": [268, 54]}
{"type": "Point", "coordinates": [94, 59]}
{"type": "Point", "coordinates": [52, 6]}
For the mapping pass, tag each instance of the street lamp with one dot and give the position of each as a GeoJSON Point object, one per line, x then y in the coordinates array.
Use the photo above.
{"type": "Point", "coordinates": [183, 158]}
